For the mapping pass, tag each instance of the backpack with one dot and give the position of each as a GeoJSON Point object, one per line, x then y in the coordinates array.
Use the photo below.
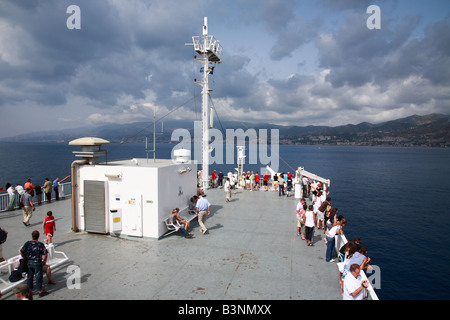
{"type": "Point", "coordinates": [15, 276]}
{"type": "Point", "coordinates": [3, 236]}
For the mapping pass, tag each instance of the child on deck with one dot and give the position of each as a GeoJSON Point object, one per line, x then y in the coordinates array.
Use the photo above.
{"type": "Point", "coordinates": [49, 226]}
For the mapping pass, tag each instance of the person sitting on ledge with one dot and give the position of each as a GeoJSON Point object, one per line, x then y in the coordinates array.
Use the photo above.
{"type": "Point", "coordinates": [173, 221]}
{"type": "Point", "coordinates": [186, 223]}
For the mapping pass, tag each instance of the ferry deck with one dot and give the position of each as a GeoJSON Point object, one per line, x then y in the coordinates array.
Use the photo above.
{"type": "Point", "coordinates": [251, 252]}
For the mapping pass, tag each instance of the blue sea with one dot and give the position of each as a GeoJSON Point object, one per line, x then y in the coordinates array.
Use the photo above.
{"type": "Point", "coordinates": [397, 200]}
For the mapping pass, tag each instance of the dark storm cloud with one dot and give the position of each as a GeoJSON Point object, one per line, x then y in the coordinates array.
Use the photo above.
{"type": "Point", "coordinates": [299, 33]}
{"type": "Point", "coordinates": [379, 74]}
{"type": "Point", "coordinates": [276, 14]}
{"type": "Point", "coordinates": [48, 54]}
{"type": "Point", "coordinates": [356, 55]}
{"type": "Point", "coordinates": [108, 58]}
{"type": "Point", "coordinates": [234, 80]}
{"type": "Point", "coordinates": [432, 53]}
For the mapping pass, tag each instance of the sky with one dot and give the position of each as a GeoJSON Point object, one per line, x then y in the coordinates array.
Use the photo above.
{"type": "Point", "coordinates": [285, 62]}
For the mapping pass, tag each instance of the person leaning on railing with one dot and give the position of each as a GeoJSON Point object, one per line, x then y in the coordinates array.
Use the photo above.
{"type": "Point", "coordinates": [12, 197]}
{"type": "Point", "coordinates": [353, 284]}
{"type": "Point", "coordinates": [48, 189]}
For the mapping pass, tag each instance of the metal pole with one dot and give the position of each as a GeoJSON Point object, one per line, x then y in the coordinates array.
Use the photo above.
{"type": "Point", "coordinates": [205, 110]}
{"type": "Point", "coordinates": [154, 134]}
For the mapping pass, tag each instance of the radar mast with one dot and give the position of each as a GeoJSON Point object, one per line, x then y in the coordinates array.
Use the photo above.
{"type": "Point", "coordinates": [209, 50]}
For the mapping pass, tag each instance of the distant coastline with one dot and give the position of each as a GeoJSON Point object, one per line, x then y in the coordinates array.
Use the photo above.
{"type": "Point", "coordinates": [431, 130]}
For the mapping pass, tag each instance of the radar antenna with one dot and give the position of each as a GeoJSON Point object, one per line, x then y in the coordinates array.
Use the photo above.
{"type": "Point", "coordinates": [209, 50]}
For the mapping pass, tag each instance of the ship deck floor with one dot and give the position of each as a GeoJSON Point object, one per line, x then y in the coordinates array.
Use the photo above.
{"type": "Point", "coordinates": [251, 252]}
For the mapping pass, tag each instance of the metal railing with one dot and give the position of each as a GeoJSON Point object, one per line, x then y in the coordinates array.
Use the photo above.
{"type": "Point", "coordinates": [64, 190]}
{"type": "Point", "coordinates": [213, 46]}
{"type": "Point", "coordinates": [369, 291]}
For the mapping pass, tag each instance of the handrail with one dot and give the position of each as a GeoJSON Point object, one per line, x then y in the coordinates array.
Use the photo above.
{"type": "Point", "coordinates": [302, 172]}
{"type": "Point", "coordinates": [342, 240]}
{"type": "Point", "coordinates": [65, 190]}
{"type": "Point", "coordinates": [212, 46]}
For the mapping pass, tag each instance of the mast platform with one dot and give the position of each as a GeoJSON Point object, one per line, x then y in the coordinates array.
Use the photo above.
{"type": "Point", "coordinates": [213, 48]}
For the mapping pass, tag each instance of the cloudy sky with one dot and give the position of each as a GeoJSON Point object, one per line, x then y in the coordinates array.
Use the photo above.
{"type": "Point", "coordinates": [300, 62]}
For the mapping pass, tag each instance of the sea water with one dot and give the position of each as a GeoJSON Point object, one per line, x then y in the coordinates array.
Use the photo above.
{"type": "Point", "coordinates": [397, 200]}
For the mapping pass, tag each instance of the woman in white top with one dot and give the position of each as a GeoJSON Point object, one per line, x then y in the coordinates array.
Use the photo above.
{"type": "Point", "coordinates": [227, 189]}
{"type": "Point", "coordinates": [336, 229]}
{"type": "Point", "coordinates": [310, 223]}
{"type": "Point", "coordinates": [317, 202]}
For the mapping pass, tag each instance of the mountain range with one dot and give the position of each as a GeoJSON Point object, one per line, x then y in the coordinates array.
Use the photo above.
{"type": "Point", "coordinates": [431, 130]}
